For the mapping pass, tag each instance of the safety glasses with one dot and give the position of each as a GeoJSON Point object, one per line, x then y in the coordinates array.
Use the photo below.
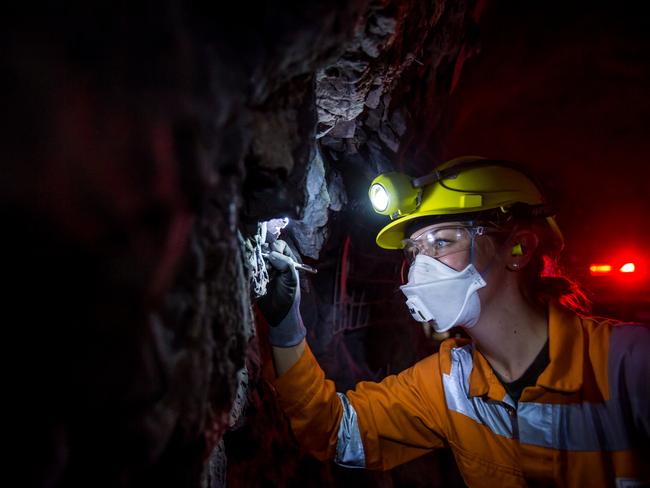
{"type": "Point", "coordinates": [438, 241]}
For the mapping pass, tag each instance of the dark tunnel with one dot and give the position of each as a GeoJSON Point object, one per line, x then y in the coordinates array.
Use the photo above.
{"type": "Point", "coordinates": [151, 151]}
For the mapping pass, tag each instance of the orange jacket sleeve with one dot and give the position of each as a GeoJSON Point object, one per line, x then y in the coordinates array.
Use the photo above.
{"type": "Point", "coordinates": [399, 418]}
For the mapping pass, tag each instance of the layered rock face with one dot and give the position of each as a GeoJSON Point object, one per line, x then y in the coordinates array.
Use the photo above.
{"type": "Point", "coordinates": [140, 144]}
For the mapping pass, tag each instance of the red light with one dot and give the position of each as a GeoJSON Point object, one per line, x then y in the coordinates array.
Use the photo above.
{"type": "Point", "coordinates": [628, 268]}
{"type": "Point", "coordinates": [600, 269]}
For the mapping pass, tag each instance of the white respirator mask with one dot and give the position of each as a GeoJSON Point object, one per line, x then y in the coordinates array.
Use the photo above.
{"type": "Point", "coordinates": [435, 292]}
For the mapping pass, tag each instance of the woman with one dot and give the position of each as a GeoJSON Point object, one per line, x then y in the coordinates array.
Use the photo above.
{"type": "Point", "coordinates": [539, 395]}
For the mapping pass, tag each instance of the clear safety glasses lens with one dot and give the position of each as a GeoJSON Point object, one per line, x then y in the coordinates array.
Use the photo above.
{"type": "Point", "coordinates": [438, 242]}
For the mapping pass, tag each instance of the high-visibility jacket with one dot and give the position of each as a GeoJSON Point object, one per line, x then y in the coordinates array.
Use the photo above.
{"type": "Point", "coordinates": [586, 422]}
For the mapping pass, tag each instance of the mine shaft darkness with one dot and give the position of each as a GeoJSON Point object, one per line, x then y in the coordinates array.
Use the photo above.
{"type": "Point", "coordinates": [138, 140]}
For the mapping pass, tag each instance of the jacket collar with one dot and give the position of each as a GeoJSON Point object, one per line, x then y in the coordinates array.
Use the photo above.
{"type": "Point", "coordinates": [566, 354]}
{"type": "Point", "coordinates": [566, 351]}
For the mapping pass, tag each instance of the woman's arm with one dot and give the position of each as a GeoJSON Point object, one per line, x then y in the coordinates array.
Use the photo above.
{"type": "Point", "coordinates": [376, 425]}
{"type": "Point", "coordinates": [286, 357]}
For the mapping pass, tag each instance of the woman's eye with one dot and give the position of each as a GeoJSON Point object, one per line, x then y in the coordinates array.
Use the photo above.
{"type": "Point", "coordinates": [441, 243]}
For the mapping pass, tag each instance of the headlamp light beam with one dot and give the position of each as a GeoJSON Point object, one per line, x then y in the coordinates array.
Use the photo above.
{"type": "Point", "coordinates": [379, 197]}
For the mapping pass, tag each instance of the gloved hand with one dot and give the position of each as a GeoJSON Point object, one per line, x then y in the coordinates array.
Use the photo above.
{"type": "Point", "coordinates": [281, 304]}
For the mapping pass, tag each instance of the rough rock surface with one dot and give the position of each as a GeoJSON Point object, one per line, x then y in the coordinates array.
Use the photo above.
{"type": "Point", "coordinates": [391, 78]}
{"type": "Point", "coordinates": [136, 141]}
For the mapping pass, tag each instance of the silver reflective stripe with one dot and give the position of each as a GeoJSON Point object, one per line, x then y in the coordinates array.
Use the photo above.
{"type": "Point", "coordinates": [456, 385]}
{"type": "Point", "coordinates": [349, 448]}
{"type": "Point", "coordinates": [630, 483]}
{"type": "Point", "coordinates": [574, 427]}
{"type": "Point", "coordinates": [603, 426]}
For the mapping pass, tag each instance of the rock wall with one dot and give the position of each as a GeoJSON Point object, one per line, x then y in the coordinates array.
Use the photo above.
{"type": "Point", "coordinates": [136, 141]}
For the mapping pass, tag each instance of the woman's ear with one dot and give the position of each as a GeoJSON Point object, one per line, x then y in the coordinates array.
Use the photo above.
{"type": "Point", "coordinates": [521, 248]}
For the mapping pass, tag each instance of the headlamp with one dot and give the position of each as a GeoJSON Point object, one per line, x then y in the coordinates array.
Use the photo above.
{"type": "Point", "coordinates": [393, 194]}
{"type": "Point", "coordinates": [379, 197]}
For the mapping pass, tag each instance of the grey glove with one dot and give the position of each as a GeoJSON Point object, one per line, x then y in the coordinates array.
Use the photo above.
{"type": "Point", "coordinates": [281, 304]}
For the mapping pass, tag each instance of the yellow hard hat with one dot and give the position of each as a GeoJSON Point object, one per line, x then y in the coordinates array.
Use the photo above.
{"type": "Point", "coordinates": [464, 185]}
